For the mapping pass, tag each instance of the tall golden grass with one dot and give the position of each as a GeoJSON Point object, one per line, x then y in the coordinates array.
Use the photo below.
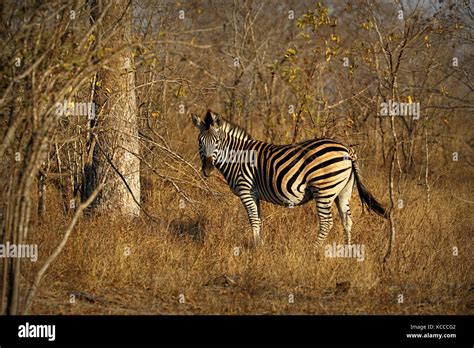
{"type": "Point", "coordinates": [199, 259]}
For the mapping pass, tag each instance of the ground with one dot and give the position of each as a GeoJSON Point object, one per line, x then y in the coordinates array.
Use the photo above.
{"type": "Point", "coordinates": [199, 259]}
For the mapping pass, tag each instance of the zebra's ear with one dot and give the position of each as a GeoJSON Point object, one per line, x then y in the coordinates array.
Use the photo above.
{"type": "Point", "coordinates": [216, 120]}
{"type": "Point", "coordinates": [212, 119]}
{"type": "Point", "coordinates": [196, 120]}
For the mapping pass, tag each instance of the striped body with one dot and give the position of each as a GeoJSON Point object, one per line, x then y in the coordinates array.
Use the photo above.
{"type": "Point", "coordinates": [290, 175]}
{"type": "Point", "coordinates": [323, 170]}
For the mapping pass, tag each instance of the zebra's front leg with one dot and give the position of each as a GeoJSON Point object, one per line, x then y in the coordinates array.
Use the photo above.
{"type": "Point", "coordinates": [252, 205]}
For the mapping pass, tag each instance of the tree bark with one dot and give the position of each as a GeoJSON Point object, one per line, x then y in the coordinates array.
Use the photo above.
{"type": "Point", "coordinates": [115, 131]}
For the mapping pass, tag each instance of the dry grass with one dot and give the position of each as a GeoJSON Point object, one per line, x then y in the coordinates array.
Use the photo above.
{"type": "Point", "coordinates": [195, 256]}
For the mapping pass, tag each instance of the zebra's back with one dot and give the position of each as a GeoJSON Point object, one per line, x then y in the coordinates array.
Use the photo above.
{"type": "Point", "coordinates": [293, 174]}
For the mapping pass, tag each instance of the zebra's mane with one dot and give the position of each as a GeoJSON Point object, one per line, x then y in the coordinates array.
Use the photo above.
{"type": "Point", "coordinates": [235, 130]}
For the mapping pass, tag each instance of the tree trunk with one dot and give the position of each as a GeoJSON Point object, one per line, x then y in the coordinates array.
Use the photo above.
{"type": "Point", "coordinates": [115, 139]}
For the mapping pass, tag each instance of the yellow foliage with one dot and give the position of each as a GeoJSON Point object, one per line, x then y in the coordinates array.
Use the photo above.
{"type": "Point", "coordinates": [290, 53]}
{"type": "Point", "coordinates": [368, 25]}
{"type": "Point", "coordinates": [304, 36]}
{"type": "Point", "coordinates": [180, 92]}
{"type": "Point", "coordinates": [328, 54]}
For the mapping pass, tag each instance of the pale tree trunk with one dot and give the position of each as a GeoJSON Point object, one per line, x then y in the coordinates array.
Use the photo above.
{"type": "Point", "coordinates": [115, 139]}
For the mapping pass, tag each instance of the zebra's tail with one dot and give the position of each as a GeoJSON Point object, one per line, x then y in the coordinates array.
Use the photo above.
{"type": "Point", "coordinates": [365, 196]}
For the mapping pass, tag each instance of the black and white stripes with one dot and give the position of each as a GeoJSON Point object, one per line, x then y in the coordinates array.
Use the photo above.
{"type": "Point", "coordinates": [290, 175]}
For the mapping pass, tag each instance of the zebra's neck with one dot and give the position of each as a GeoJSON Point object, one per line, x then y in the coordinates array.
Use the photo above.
{"type": "Point", "coordinates": [231, 130]}
{"type": "Point", "coordinates": [231, 150]}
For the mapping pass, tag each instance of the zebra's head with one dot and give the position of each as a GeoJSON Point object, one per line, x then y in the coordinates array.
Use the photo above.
{"type": "Point", "coordinates": [209, 140]}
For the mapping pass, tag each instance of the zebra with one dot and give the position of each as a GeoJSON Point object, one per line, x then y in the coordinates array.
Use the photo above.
{"type": "Point", "coordinates": [322, 169]}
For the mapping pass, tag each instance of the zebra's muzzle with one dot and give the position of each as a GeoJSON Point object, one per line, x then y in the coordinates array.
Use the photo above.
{"type": "Point", "coordinates": [207, 167]}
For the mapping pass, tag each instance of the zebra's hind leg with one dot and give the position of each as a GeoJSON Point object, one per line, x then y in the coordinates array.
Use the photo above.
{"type": "Point", "coordinates": [252, 205]}
{"type": "Point", "coordinates": [342, 202]}
{"type": "Point", "coordinates": [323, 206]}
